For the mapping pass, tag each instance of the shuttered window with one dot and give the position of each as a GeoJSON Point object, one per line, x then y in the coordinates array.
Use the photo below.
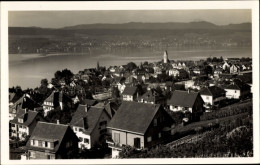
{"type": "Point", "coordinates": [117, 137]}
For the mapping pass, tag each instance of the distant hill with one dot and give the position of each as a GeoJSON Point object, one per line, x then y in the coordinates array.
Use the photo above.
{"type": "Point", "coordinates": [199, 25]}
{"type": "Point", "coordinates": [153, 26]}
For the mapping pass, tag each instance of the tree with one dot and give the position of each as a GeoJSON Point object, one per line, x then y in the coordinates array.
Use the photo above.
{"type": "Point", "coordinates": [209, 59]}
{"type": "Point", "coordinates": [44, 82]}
{"type": "Point", "coordinates": [208, 70]}
{"type": "Point", "coordinates": [131, 66]}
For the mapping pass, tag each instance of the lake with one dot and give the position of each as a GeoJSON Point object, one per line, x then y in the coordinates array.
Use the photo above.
{"type": "Point", "coordinates": [27, 70]}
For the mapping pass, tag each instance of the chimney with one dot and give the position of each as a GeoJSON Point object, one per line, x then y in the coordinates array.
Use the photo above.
{"type": "Point", "coordinates": [58, 121]}
{"type": "Point", "coordinates": [26, 110]}
{"type": "Point", "coordinates": [188, 90]}
{"type": "Point", "coordinates": [86, 108]}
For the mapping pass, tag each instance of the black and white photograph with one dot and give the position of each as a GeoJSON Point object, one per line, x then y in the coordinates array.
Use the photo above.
{"type": "Point", "coordinates": [129, 81]}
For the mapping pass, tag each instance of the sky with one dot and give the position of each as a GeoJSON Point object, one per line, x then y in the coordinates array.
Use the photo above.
{"type": "Point", "coordinates": [58, 19]}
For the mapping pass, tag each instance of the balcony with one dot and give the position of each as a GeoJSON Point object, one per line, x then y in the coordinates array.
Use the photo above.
{"type": "Point", "coordinates": [112, 144]}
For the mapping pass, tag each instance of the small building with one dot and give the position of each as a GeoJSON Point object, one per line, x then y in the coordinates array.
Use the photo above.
{"type": "Point", "coordinates": [237, 90]}
{"type": "Point", "coordinates": [89, 124]}
{"type": "Point", "coordinates": [24, 123]}
{"type": "Point", "coordinates": [129, 93]}
{"type": "Point", "coordinates": [152, 96]}
{"type": "Point", "coordinates": [218, 72]}
{"type": "Point", "coordinates": [234, 69]}
{"type": "Point", "coordinates": [186, 101]}
{"type": "Point", "coordinates": [213, 94]}
{"type": "Point", "coordinates": [52, 141]}
{"type": "Point", "coordinates": [139, 125]}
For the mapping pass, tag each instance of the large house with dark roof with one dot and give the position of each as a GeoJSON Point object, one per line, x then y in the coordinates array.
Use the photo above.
{"type": "Point", "coordinates": [237, 90]}
{"type": "Point", "coordinates": [139, 125]}
{"type": "Point", "coordinates": [89, 124]}
{"type": "Point", "coordinates": [52, 141]}
{"type": "Point", "coordinates": [186, 101]}
{"type": "Point", "coordinates": [24, 123]}
{"type": "Point", "coordinates": [213, 94]}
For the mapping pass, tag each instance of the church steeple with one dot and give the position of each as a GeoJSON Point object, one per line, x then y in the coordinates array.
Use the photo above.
{"type": "Point", "coordinates": [165, 57]}
{"type": "Point", "coordinates": [97, 65]}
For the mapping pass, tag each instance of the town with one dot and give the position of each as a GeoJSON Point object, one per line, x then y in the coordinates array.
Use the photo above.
{"type": "Point", "coordinates": [164, 109]}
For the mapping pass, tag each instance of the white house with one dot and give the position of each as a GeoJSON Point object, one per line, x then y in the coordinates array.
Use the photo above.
{"type": "Point", "coordinates": [237, 90]}
{"type": "Point", "coordinates": [211, 95]}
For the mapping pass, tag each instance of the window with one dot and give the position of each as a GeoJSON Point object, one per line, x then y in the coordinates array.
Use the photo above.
{"type": "Point", "coordinates": [39, 143]}
{"type": "Point", "coordinates": [80, 130]}
{"type": "Point", "coordinates": [48, 156]}
{"type": "Point", "coordinates": [154, 122]}
{"type": "Point", "coordinates": [32, 154]}
{"type": "Point", "coordinates": [68, 144]}
{"type": "Point", "coordinates": [207, 97]}
{"type": "Point", "coordinates": [235, 91]}
{"type": "Point", "coordinates": [32, 142]}
{"type": "Point", "coordinates": [80, 139]}
{"type": "Point", "coordinates": [86, 140]}
{"type": "Point", "coordinates": [137, 142]}
{"type": "Point", "coordinates": [159, 135]}
{"type": "Point", "coordinates": [149, 139]}
{"type": "Point", "coordinates": [76, 129]}
{"type": "Point", "coordinates": [117, 137]}
{"type": "Point", "coordinates": [44, 144]}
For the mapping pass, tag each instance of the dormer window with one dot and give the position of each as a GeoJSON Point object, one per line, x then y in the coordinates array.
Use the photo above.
{"type": "Point", "coordinates": [20, 120]}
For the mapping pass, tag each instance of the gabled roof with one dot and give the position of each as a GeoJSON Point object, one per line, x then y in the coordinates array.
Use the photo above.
{"type": "Point", "coordinates": [183, 98]}
{"type": "Point", "coordinates": [28, 117]}
{"type": "Point", "coordinates": [89, 102]}
{"type": "Point", "coordinates": [129, 90]}
{"type": "Point", "coordinates": [213, 91]}
{"type": "Point", "coordinates": [92, 117]}
{"type": "Point", "coordinates": [24, 102]}
{"type": "Point", "coordinates": [238, 85]}
{"type": "Point", "coordinates": [48, 132]}
{"type": "Point", "coordinates": [134, 117]}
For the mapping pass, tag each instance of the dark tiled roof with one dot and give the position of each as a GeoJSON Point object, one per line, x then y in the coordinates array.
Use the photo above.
{"type": "Point", "coordinates": [28, 117]}
{"type": "Point", "coordinates": [183, 98]}
{"type": "Point", "coordinates": [239, 85]}
{"type": "Point", "coordinates": [89, 102]}
{"type": "Point", "coordinates": [134, 117]}
{"type": "Point", "coordinates": [24, 102]}
{"type": "Point", "coordinates": [213, 91]}
{"type": "Point", "coordinates": [49, 132]}
{"type": "Point", "coordinates": [92, 117]}
{"type": "Point", "coordinates": [129, 91]}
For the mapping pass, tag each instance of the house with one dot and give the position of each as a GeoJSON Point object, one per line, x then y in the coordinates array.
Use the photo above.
{"type": "Point", "coordinates": [213, 94]}
{"type": "Point", "coordinates": [226, 65]}
{"type": "Point", "coordinates": [186, 101]}
{"type": "Point", "coordinates": [52, 141]}
{"type": "Point", "coordinates": [157, 70]}
{"type": "Point", "coordinates": [237, 90]}
{"type": "Point", "coordinates": [198, 71]}
{"type": "Point", "coordinates": [24, 102]}
{"type": "Point", "coordinates": [138, 125]}
{"type": "Point", "coordinates": [152, 96]}
{"type": "Point", "coordinates": [234, 69]}
{"type": "Point", "coordinates": [130, 93]}
{"type": "Point", "coordinates": [218, 72]}
{"type": "Point", "coordinates": [55, 100]}
{"type": "Point", "coordinates": [24, 123]}
{"type": "Point", "coordinates": [89, 124]}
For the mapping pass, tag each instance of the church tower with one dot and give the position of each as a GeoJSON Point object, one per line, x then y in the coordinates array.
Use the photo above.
{"type": "Point", "coordinates": [165, 57]}
{"type": "Point", "coordinates": [97, 65]}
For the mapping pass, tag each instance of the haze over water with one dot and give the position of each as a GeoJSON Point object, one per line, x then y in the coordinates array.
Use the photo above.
{"type": "Point", "coordinates": [27, 70]}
